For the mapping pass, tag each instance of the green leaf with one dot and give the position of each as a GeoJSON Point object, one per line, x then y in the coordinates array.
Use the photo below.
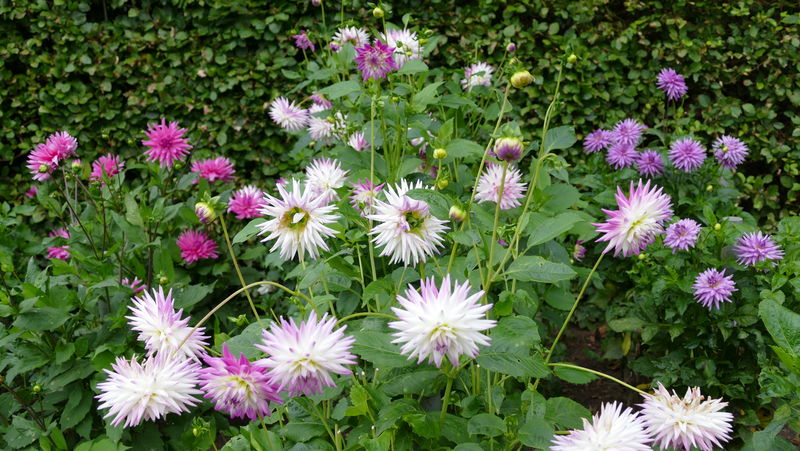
{"type": "Point", "coordinates": [390, 414]}
{"type": "Point", "coordinates": [783, 324]}
{"type": "Point", "coordinates": [303, 432]}
{"type": "Point", "coordinates": [573, 376]}
{"type": "Point", "coordinates": [628, 324]}
{"type": "Point", "coordinates": [341, 89]}
{"type": "Point", "coordinates": [413, 382]}
{"type": "Point", "coordinates": [464, 149]}
{"type": "Point", "coordinates": [532, 268]}
{"type": "Point", "coordinates": [249, 231]}
{"type": "Point", "coordinates": [132, 213]}
{"type": "Point", "coordinates": [536, 432]}
{"type": "Point", "coordinates": [513, 365]}
{"type": "Point", "coordinates": [543, 229]}
{"type": "Point", "coordinates": [359, 399]}
{"type": "Point", "coordinates": [376, 347]}
{"type": "Point", "coordinates": [566, 412]}
{"type": "Point", "coordinates": [438, 202]}
{"type": "Point", "coordinates": [425, 97]}
{"type": "Point", "coordinates": [408, 166]}
{"type": "Point", "coordinates": [244, 342]}
{"type": "Point", "coordinates": [560, 138]}
{"type": "Point", "coordinates": [42, 318]}
{"type": "Point", "coordinates": [413, 67]}
{"type": "Point", "coordinates": [486, 424]}
{"type": "Point", "coordinates": [191, 295]}
{"type": "Point", "coordinates": [515, 335]}
{"type": "Point", "coordinates": [75, 410]}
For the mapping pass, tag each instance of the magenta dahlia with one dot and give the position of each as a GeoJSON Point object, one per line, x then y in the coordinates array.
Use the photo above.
{"type": "Point", "coordinates": [672, 83]}
{"type": "Point", "coordinates": [213, 169]}
{"type": "Point", "coordinates": [196, 245]}
{"type": "Point", "coordinates": [166, 143]}
{"type": "Point", "coordinates": [713, 287]}
{"type": "Point", "coordinates": [246, 202]}
{"type": "Point", "coordinates": [110, 165]}
{"type": "Point", "coordinates": [59, 252]}
{"type": "Point", "coordinates": [375, 61]}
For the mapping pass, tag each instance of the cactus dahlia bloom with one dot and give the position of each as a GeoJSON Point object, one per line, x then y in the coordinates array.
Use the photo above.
{"type": "Point", "coordinates": [712, 288]}
{"type": "Point", "coordinates": [166, 143]}
{"type": "Point", "coordinates": [137, 285]}
{"type": "Point", "coordinates": [298, 223]}
{"type": "Point", "coordinates": [324, 176]}
{"type": "Point", "coordinates": [478, 74]}
{"type": "Point", "coordinates": [135, 391]}
{"type": "Point", "coordinates": [688, 422]}
{"type": "Point", "coordinates": [682, 235]}
{"type": "Point", "coordinates": [196, 245]}
{"type": "Point", "coordinates": [213, 169]}
{"type": "Point", "coordinates": [438, 322]}
{"type": "Point", "coordinates": [44, 159]}
{"type": "Point", "coordinates": [612, 429]}
{"type": "Point", "coordinates": [649, 163]}
{"type": "Point", "coordinates": [628, 131]}
{"type": "Point", "coordinates": [375, 61]}
{"type": "Point", "coordinates": [687, 154]}
{"type": "Point", "coordinates": [238, 387]}
{"type": "Point", "coordinates": [406, 45]}
{"type": "Point", "coordinates": [755, 247]}
{"type": "Point", "coordinates": [59, 252]}
{"type": "Point", "coordinates": [597, 140]}
{"type": "Point", "coordinates": [287, 114]}
{"type": "Point", "coordinates": [364, 194]}
{"type": "Point", "coordinates": [405, 227]}
{"type": "Point", "coordinates": [672, 83]}
{"type": "Point", "coordinates": [357, 141]}
{"type": "Point", "coordinates": [637, 222]}
{"type": "Point", "coordinates": [301, 358]}
{"type": "Point", "coordinates": [302, 42]}
{"type": "Point", "coordinates": [162, 329]}
{"type": "Point", "coordinates": [357, 37]}
{"type": "Point", "coordinates": [730, 152]}
{"type": "Point", "coordinates": [110, 165]}
{"type": "Point", "coordinates": [621, 155]}
{"type": "Point", "coordinates": [247, 202]}
{"type": "Point", "coordinates": [489, 186]}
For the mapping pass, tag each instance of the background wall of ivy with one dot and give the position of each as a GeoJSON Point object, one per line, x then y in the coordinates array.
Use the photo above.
{"type": "Point", "coordinates": [103, 70]}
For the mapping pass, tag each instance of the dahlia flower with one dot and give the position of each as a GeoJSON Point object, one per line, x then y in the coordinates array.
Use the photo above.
{"type": "Point", "coordinates": [213, 169]}
{"type": "Point", "coordinates": [612, 429]}
{"type": "Point", "coordinates": [597, 140]}
{"type": "Point", "coordinates": [579, 251]}
{"type": "Point", "coordinates": [301, 358]}
{"type": "Point", "coordinates": [298, 223]}
{"type": "Point", "coordinates": [682, 235]}
{"type": "Point", "coordinates": [59, 252]}
{"type": "Point", "coordinates": [357, 37]}
{"type": "Point", "coordinates": [358, 142]}
{"type": "Point", "coordinates": [375, 61]}
{"type": "Point", "coordinates": [438, 322]}
{"type": "Point", "coordinates": [302, 42]}
{"type": "Point", "coordinates": [687, 154]}
{"type": "Point", "coordinates": [364, 194]}
{"type": "Point", "coordinates": [246, 202]}
{"type": "Point", "coordinates": [195, 245]}
{"type": "Point", "coordinates": [621, 155]}
{"type": "Point", "coordinates": [63, 144]}
{"type": "Point", "coordinates": [287, 114]}
{"type": "Point", "coordinates": [324, 176]}
{"type": "Point", "coordinates": [406, 229]}
{"type": "Point", "coordinates": [478, 74]}
{"type": "Point", "coordinates": [730, 152]}
{"type": "Point", "coordinates": [672, 83]}
{"type": "Point", "coordinates": [755, 247]}
{"type": "Point", "coordinates": [649, 163]}
{"type": "Point", "coordinates": [637, 222]}
{"type": "Point", "coordinates": [162, 329]}
{"type": "Point", "coordinates": [325, 129]}
{"type": "Point", "coordinates": [507, 149]}
{"type": "Point", "coordinates": [148, 391]}
{"type": "Point", "coordinates": [489, 186]}
{"type": "Point", "coordinates": [320, 101]}
{"type": "Point", "coordinates": [688, 422]}
{"type": "Point", "coordinates": [628, 132]}
{"type": "Point", "coordinates": [137, 285]}
{"type": "Point", "coordinates": [166, 143]}
{"type": "Point", "coordinates": [32, 191]}
{"type": "Point", "coordinates": [712, 288]}
{"type": "Point", "coordinates": [406, 45]}
{"type": "Point", "coordinates": [110, 165]}
{"type": "Point", "coordinates": [238, 387]}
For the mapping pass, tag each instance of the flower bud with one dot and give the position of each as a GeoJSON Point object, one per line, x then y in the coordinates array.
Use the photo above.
{"type": "Point", "coordinates": [717, 226]}
{"type": "Point", "coordinates": [37, 388]}
{"type": "Point", "coordinates": [196, 431]}
{"type": "Point", "coordinates": [457, 213]}
{"type": "Point", "coordinates": [508, 149]}
{"type": "Point", "coordinates": [440, 153]}
{"type": "Point", "coordinates": [316, 2]}
{"type": "Point", "coordinates": [511, 47]}
{"type": "Point", "coordinates": [572, 58]}
{"type": "Point", "coordinates": [205, 213]}
{"type": "Point", "coordinates": [335, 47]}
{"type": "Point", "coordinates": [642, 256]}
{"type": "Point", "coordinates": [521, 79]}
{"type": "Point", "coordinates": [75, 165]}
{"type": "Point", "coordinates": [163, 280]}
{"type": "Point", "coordinates": [377, 13]}
{"type": "Point", "coordinates": [709, 187]}
{"type": "Point", "coordinates": [442, 184]}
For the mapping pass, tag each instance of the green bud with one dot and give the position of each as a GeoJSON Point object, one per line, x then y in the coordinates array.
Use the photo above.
{"type": "Point", "coordinates": [717, 226]}
{"type": "Point", "coordinates": [37, 388]}
{"type": "Point", "coordinates": [457, 213]}
{"type": "Point", "coordinates": [442, 184]}
{"type": "Point", "coordinates": [521, 79]}
{"type": "Point", "coordinates": [43, 168]}
{"type": "Point", "coordinates": [440, 153]}
{"type": "Point", "coordinates": [195, 431]}
{"type": "Point", "coordinates": [377, 13]}
{"type": "Point", "coordinates": [572, 58]}
{"type": "Point", "coordinates": [709, 187]}
{"type": "Point", "coordinates": [163, 280]}
{"type": "Point", "coordinates": [642, 256]}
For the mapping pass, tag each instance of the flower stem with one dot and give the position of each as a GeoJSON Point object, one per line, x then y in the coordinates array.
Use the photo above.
{"type": "Point", "coordinates": [489, 265]}
{"type": "Point", "coordinates": [446, 399]}
{"type": "Point", "coordinates": [236, 266]}
{"type": "Point", "coordinates": [597, 373]}
{"type": "Point", "coordinates": [356, 315]}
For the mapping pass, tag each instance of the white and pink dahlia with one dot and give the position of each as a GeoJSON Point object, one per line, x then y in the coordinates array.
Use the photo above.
{"type": "Point", "coordinates": [162, 329]}
{"type": "Point", "coordinates": [357, 141]}
{"type": "Point", "coordinates": [614, 428]}
{"type": "Point", "coordinates": [324, 176]}
{"type": "Point", "coordinates": [437, 322]}
{"type": "Point", "coordinates": [639, 220]}
{"type": "Point", "coordinates": [489, 186]}
{"type": "Point", "coordinates": [287, 114]}
{"type": "Point", "coordinates": [406, 45]}
{"type": "Point", "coordinates": [356, 37]}
{"type": "Point", "coordinates": [166, 143]}
{"type": "Point", "coordinates": [694, 421]}
{"type": "Point", "coordinates": [326, 129]}
{"type": "Point", "coordinates": [478, 74]}
{"type": "Point", "coordinates": [298, 223]}
{"type": "Point", "coordinates": [301, 358]}
{"type": "Point", "coordinates": [247, 202]}
{"type": "Point", "coordinates": [135, 391]}
{"type": "Point", "coordinates": [364, 194]}
{"type": "Point", "coordinates": [406, 228]}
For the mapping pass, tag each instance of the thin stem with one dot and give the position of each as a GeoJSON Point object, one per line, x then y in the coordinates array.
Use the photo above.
{"type": "Point", "coordinates": [33, 414]}
{"type": "Point", "coordinates": [597, 373]}
{"type": "Point", "coordinates": [236, 267]}
{"type": "Point", "coordinates": [76, 218]}
{"type": "Point", "coordinates": [319, 415]}
{"type": "Point", "coordinates": [356, 315]}
{"type": "Point", "coordinates": [446, 399]}
{"type": "Point", "coordinates": [490, 263]}
{"type": "Point", "coordinates": [372, 181]}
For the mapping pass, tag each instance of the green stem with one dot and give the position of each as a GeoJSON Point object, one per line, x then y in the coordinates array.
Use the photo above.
{"type": "Point", "coordinates": [372, 181]}
{"type": "Point", "coordinates": [322, 419]}
{"type": "Point", "coordinates": [446, 399]}
{"type": "Point", "coordinates": [236, 267]}
{"type": "Point", "coordinates": [597, 373]}
{"type": "Point", "coordinates": [357, 315]}
{"type": "Point", "coordinates": [489, 264]}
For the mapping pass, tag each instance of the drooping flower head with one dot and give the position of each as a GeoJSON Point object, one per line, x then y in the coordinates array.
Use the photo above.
{"type": "Point", "coordinates": [687, 154]}
{"type": "Point", "coordinates": [238, 387]}
{"type": "Point", "coordinates": [166, 143]}
{"type": "Point", "coordinates": [755, 247]}
{"type": "Point", "coordinates": [507, 149]}
{"type": "Point", "coordinates": [110, 165]}
{"type": "Point", "coordinates": [637, 222]}
{"type": "Point", "coordinates": [597, 140]}
{"type": "Point", "coordinates": [287, 114]}
{"type": "Point", "coordinates": [682, 235]}
{"type": "Point", "coordinates": [298, 223]}
{"type": "Point", "coordinates": [137, 285]}
{"type": "Point", "coordinates": [358, 142]}
{"type": "Point", "coordinates": [672, 83]}
{"type": "Point", "coordinates": [405, 227]}
{"type": "Point", "coordinates": [579, 252]}
{"type": "Point", "coordinates": [196, 245]}
{"type": "Point", "coordinates": [59, 252]}
{"type": "Point", "coordinates": [148, 391]}
{"type": "Point", "coordinates": [438, 322]}
{"type": "Point", "coordinates": [612, 429]}
{"type": "Point", "coordinates": [357, 37]}
{"type": "Point", "coordinates": [247, 202]}
{"type": "Point", "coordinates": [694, 421]}
{"type": "Point", "coordinates": [302, 42]}
{"type": "Point", "coordinates": [713, 287]}
{"type": "Point", "coordinates": [324, 176]}
{"type": "Point", "coordinates": [406, 45]}
{"type": "Point", "coordinates": [213, 169]}
{"type": "Point", "coordinates": [730, 152]}
{"type": "Point", "coordinates": [621, 155]}
{"type": "Point", "coordinates": [478, 74]}
{"type": "Point", "coordinates": [489, 186]}
{"type": "Point", "coordinates": [649, 163]}
{"type": "Point", "coordinates": [375, 61]}
{"type": "Point", "coordinates": [301, 358]}
{"type": "Point", "coordinates": [162, 329]}
{"type": "Point", "coordinates": [364, 194]}
{"type": "Point", "coordinates": [628, 131]}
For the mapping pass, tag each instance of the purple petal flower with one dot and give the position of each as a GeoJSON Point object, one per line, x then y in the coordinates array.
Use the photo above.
{"type": "Point", "coordinates": [621, 155]}
{"type": "Point", "coordinates": [302, 42]}
{"type": "Point", "coordinates": [730, 152]}
{"type": "Point", "coordinates": [712, 288]}
{"type": "Point", "coordinates": [628, 131]}
{"type": "Point", "coordinates": [597, 140]}
{"type": "Point", "coordinates": [672, 83]}
{"type": "Point", "coordinates": [756, 247]}
{"type": "Point", "coordinates": [375, 61]}
{"type": "Point", "coordinates": [687, 154]}
{"type": "Point", "coordinates": [650, 163]}
{"type": "Point", "coordinates": [682, 235]}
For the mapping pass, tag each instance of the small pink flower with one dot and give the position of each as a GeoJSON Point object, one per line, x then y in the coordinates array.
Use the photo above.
{"type": "Point", "coordinates": [375, 61]}
{"type": "Point", "coordinates": [166, 143]}
{"type": "Point", "coordinates": [32, 191]}
{"type": "Point", "coordinates": [196, 245]}
{"type": "Point", "coordinates": [214, 169]}
{"type": "Point", "coordinates": [60, 252]}
{"type": "Point", "coordinates": [137, 285]}
{"type": "Point", "coordinates": [108, 164]}
{"type": "Point", "coordinates": [246, 202]}
{"type": "Point", "coordinates": [302, 42]}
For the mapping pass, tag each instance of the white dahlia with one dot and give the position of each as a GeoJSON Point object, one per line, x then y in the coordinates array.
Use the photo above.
{"type": "Point", "coordinates": [405, 43]}
{"type": "Point", "coordinates": [324, 177]}
{"type": "Point", "coordinates": [489, 186]}
{"type": "Point", "coordinates": [612, 429]}
{"type": "Point", "coordinates": [287, 114]}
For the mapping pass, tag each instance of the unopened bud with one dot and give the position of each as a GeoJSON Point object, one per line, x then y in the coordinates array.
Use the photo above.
{"type": "Point", "coordinates": [642, 256]}
{"type": "Point", "coordinates": [511, 47]}
{"type": "Point", "coordinates": [709, 187]}
{"type": "Point", "coordinates": [316, 2]}
{"type": "Point", "coordinates": [508, 149]}
{"type": "Point", "coordinates": [163, 280]}
{"type": "Point", "coordinates": [335, 46]}
{"type": "Point", "coordinates": [75, 165]}
{"type": "Point", "coordinates": [440, 153]}
{"type": "Point", "coordinates": [457, 213]}
{"type": "Point", "coordinates": [572, 58]}
{"type": "Point", "coordinates": [377, 13]}
{"type": "Point", "coordinates": [195, 431]}
{"type": "Point", "coordinates": [37, 388]}
{"type": "Point", "coordinates": [205, 213]}
{"type": "Point", "coordinates": [521, 79]}
{"type": "Point", "coordinates": [442, 184]}
{"type": "Point", "coordinates": [717, 226]}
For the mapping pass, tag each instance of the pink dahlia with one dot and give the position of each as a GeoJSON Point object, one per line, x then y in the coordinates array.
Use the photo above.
{"type": "Point", "coordinates": [195, 245]}
{"type": "Point", "coordinates": [246, 202]}
{"type": "Point", "coordinates": [137, 285]}
{"type": "Point", "coordinates": [32, 191]}
{"type": "Point", "coordinates": [687, 154]}
{"type": "Point", "coordinates": [42, 161]}
{"type": "Point", "coordinates": [63, 143]}
{"type": "Point", "coordinates": [59, 252]}
{"type": "Point", "coordinates": [375, 61]}
{"type": "Point", "coordinates": [579, 251]}
{"type": "Point", "coordinates": [682, 235]}
{"type": "Point", "coordinates": [672, 83]}
{"type": "Point", "coordinates": [597, 140]}
{"type": "Point", "coordinates": [628, 131]}
{"type": "Point", "coordinates": [213, 169]}
{"type": "Point", "coordinates": [358, 142]}
{"type": "Point", "coordinates": [320, 100]}
{"type": "Point", "coordinates": [110, 165]}
{"type": "Point", "coordinates": [364, 194]}
{"type": "Point", "coordinates": [622, 155]}
{"type": "Point", "coordinates": [713, 287]}
{"type": "Point", "coordinates": [649, 163]}
{"type": "Point", "coordinates": [287, 114]}
{"type": "Point", "coordinates": [166, 143]}
{"type": "Point", "coordinates": [301, 41]}
{"type": "Point", "coordinates": [638, 221]}
{"type": "Point", "coordinates": [730, 152]}
{"type": "Point", "coordinates": [756, 247]}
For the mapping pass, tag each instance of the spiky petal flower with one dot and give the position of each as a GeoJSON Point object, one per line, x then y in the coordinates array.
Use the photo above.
{"type": "Point", "coordinates": [302, 42]}
{"type": "Point", "coordinates": [325, 129]}
{"type": "Point", "coordinates": [364, 194]}
{"type": "Point", "coordinates": [247, 202]}
{"type": "Point", "coordinates": [42, 161]}
{"type": "Point", "coordinates": [110, 165]}
{"type": "Point", "coordinates": [238, 387]}
{"type": "Point", "coordinates": [32, 191]}
{"type": "Point", "coordinates": [694, 421]}
{"type": "Point", "coordinates": [713, 287]}
{"type": "Point", "coordinates": [672, 83]}
{"type": "Point", "coordinates": [622, 155]}
{"type": "Point", "coordinates": [755, 247]}
{"type": "Point", "coordinates": [638, 221]}
{"type": "Point", "coordinates": [59, 252]}
{"type": "Point", "coordinates": [687, 154]}
{"type": "Point", "coordinates": [287, 114]}
{"type": "Point", "coordinates": [358, 142]}
{"type": "Point", "coordinates": [162, 329]}
{"type": "Point", "coordinates": [597, 140]}
{"type": "Point", "coordinates": [148, 391]}
{"type": "Point", "coordinates": [628, 131]}
{"type": "Point", "coordinates": [438, 322]}
{"type": "Point", "coordinates": [301, 358]}
{"type": "Point", "coordinates": [137, 285]}
{"type": "Point", "coordinates": [406, 228]}
{"type": "Point", "coordinates": [489, 186]}
{"type": "Point", "coordinates": [63, 144]}
{"type": "Point", "coordinates": [478, 74]}
{"type": "Point", "coordinates": [406, 45]}
{"type": "Point", "coordinates": [166, 143]}
{"type": "Point", "coordinates": [324, 176]}
{"type": "Point", "coordinates": [357, 37]}
{"type": "Point", "coordinates": [375, 61]}
{"type": "Point", "coordinates": [213, 169]}
{"type": "Point", "coordinates": [682, 235]}
{"type": "Point", "coordinates": [730, 152]}
{"type": "Point", "coordinates": [298, 223]}
{"type": "Point", "coordinates": [649, 163]}
{"type": "Point", "coordinates": [612, 429]}
{"type": "Point", "coordinates": [196, 245]}
{"type": "Point", "coordinates": [579, 251]}
{"type": "Point", "coordinates": [320, 101]}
